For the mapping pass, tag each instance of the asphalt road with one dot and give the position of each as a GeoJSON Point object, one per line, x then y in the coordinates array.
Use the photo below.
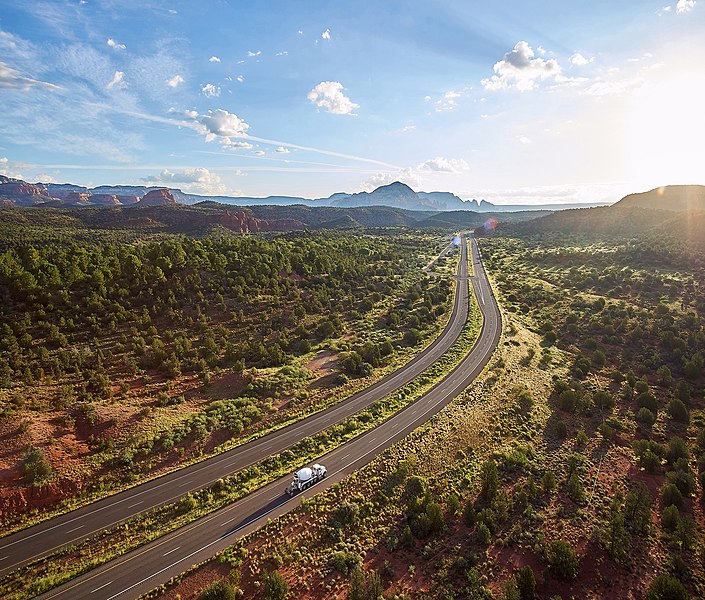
{"type": "Point", "coordinates": [145, 568]}
{"type": "Point", "coordinates": [31, 544]}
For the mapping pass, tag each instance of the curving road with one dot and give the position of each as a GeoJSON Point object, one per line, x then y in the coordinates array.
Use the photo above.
{"type": "Point", "coordinates": [33, 543]}
{"type": "Point", "coordinates": [145, 568]}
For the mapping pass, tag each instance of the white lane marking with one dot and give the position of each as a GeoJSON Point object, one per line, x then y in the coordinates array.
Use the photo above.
{"type": "Point", "coordinates": [170, 551]}
{"type": "Point", "coordinates": [185, 483]}
{"type": "Point", "coordinates": [136, 504]}
{"type": "Point", "coordinates": [101, 587]}
{"type": "Point", "coordinates": [74, 529]}
{"type": "Point", "coordinates": [4, 557]}
{"type": "Point", "coordinates": [228, 521]}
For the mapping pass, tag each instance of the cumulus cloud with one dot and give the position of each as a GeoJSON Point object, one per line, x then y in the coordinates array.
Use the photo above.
{"type": "Point", "coordinates": [329, 95]}
{"type": "Point", "coordinates": [282, 150]}
{"type": "Point", "coordinates": [175, 81]}
{"type": "Point", "coordinates": [214, 59]}
{"type": "Point", "coordinates": [226, 142]}
{"type": "Point", "coordinates": [326, 34]}
{"type": "Point", "coordinates": [195, 181]}
{"type": "Point", "coordinates": [579, 60]}
{"type": "Point", "coordinates": [117, 81]}
{"type": "Point", "coordinates": [521, 69]}
{"type": "Point", "coordinates": [115, 45]}
{"type": "Point", "coordinates": [210, 91]}
{"type": "Point", "coordinates": [11, 79]}
{"type": "Point", "coordinates": [6, 169]}
{"type": "Point", "coordinates": [684, 6]}
{"type": "Point", "coordinates": [448, 101]}
{"type": "Point", "coordinates": [221, 123]}
{"type": "Point", "coordinates": [446, 165]}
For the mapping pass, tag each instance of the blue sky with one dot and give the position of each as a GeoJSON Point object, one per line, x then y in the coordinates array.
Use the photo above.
{"type": "Point", "coordinates": [512, 102]}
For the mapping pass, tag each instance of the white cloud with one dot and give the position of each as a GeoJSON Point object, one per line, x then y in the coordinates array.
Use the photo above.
{"type": "Point", "coordinates": [448, 101]}
{"type": "Point", "coordinates": [326, 34]}
{"type": "Point", "coordinates": [445, 165]}
{"type": "Point", "coordinates": [6, 169]}
{"type": "Point", "coordinates": [259, 153]}
{"type": "Point", "coordinates": [579, 60]}
{"type": "Point", "coordinates": [520, 69]}
{"type": "Point", "coordinates": [191, 114]}
{"type": "Point", "coordinates": [282, 53]}
{"type": "Point", "coordinates": [210, 91]}
{"type": "Point", "coordinates": [174, 81]}
{"type": "Point", "coordinates": [522, 139]}
{"type": "Point", "coordinates": [252, 54]}
{"type": "Point", "coordinates": [117, 81]}
{"type": "Point", "coordinates": [684, 6]}
{"type": "Point", "coordinates": [240, 78]}
{"type": "Point", "coordinates": [195, 181]}
{"type": "Point", "coordinates": [300, 32]}
{"type": "Point", "coordinates": [115, 45]}
{"type": "Point", "coordinates": [226, 142]}
{"type": "Point", "coordinates": [11, 79]}
{"type": "Point", "coordinates": [282, 150]}
{"type": "Point", "coordinates": [214, 59]}
{"type": "Point", "coordinates": [221, 123]}
{"type": "Point", "coordinates": [329, 95]}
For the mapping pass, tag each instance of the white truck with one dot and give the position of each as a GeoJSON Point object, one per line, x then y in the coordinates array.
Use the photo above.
{"type": "Point", "coordinates": [305, 478]}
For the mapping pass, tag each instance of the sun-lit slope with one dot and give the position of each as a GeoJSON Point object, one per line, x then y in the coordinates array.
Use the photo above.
{"type": "Point", "coordinates": [671, 197]}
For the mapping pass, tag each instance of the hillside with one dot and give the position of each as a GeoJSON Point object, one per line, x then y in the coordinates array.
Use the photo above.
{"type": "Point", "coordinates": [678, 198]}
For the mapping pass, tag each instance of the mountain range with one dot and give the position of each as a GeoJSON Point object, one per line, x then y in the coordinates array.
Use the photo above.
{"type": "Point", "coordinates": [396, 195]}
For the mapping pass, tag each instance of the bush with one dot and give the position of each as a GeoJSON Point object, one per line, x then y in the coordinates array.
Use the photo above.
{"type": "Point", "coordinates": [672, 496]}
{"type": "Point", "coordinates": [645, 416]}
{"type": "Point", "coordinates": [562, 559]}
{"type": "Point", "coordinates": [489, 479]}
{"type": "Point", "coordinates": [218, 590]}
{"type": "Point", "coordinates": [526, 583]}
{"type": "Point", "coordinates": [670, 517]}
{"type": "Point", "coordinates": [275, 586]}
{"type": "Point", "coordinates": [561, 429]}
{"type": "Point", "coordinates": [665, 587]}
{"type": "Point", "coordinates": [483, 535]}
{"type": "Point", "coordinates": [575, 488]}
{"type": "Point", "coordinates": [676, 449]}
{"type": "Point", "coordinates": [678, 411]}
{"type": "Point", "coordinates": [36, 467]}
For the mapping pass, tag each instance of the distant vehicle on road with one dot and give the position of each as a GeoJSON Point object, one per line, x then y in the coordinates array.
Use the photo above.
{"type": "Point", "coordinates": [305, 478]}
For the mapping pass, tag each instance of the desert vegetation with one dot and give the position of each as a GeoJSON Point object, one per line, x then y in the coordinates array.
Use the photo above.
{"type": "Point", "coordinates": [122, 359]}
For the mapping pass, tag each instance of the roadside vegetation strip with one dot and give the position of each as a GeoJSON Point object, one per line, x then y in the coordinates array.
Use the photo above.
{"type": "Point", "coordinates": [75, 560]}
{"type": "Point", "coordinates": [398, 361]}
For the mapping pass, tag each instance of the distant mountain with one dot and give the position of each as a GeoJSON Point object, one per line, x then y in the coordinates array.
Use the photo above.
{"type": "Point", "coordinates": [677, 198]}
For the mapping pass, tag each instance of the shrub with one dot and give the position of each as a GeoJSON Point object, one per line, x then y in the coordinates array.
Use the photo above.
{"type": "Point", "coordinates": [676, 449]}
{"type": "Point", "coordinates": [678, 411]}
{"type": "Point", "coordinates": [562, 559]}
{"type": "Point", "coordinates": [575, 488]}
{"type": "Point", "coordinates": [489, 479]}
{"type": "Point", "coordinates": [36, 467]}
{"type": "Point", "coordinates": [561, 429]}
{"type": "Point", "coordinates": [218, 590]}
{"type": "Point", "coordinates": [548, 482]}
{"type": "Point", "coordinates": [670, 517]}
{"type": "Point", "coordinates": [665, 587]}
{"type": "Point", "coordinates": [275, 586]}
{"type": "Point", "coordinates": [645, 416]}
{"type": "Point", "coordinates": [671, 495]}
{"type": "Point", "coordinates": [483, 535]}
{"type": "Point", "coordinates": [526, 583]}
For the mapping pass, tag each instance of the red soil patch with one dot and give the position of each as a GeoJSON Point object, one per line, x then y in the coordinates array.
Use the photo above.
{"type": "Point", "coordinates": [192, 585]}
{"type": "Point", "coordinates": [228, 385]}
{"type": "Point", "coordinates": [323, 364]}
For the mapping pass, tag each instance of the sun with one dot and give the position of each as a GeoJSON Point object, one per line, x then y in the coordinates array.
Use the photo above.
{"type": "Point", "coordinates": [664, 130]}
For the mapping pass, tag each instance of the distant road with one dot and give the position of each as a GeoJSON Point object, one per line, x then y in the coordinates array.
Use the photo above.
{"type": "Point", "coordinates": [145, 568]}
{"type": "Point", "coordinates": [36, 542]}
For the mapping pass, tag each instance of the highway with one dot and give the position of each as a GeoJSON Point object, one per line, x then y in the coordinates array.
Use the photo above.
{"type": "Point", "coordinates": [145, 568]}
{"type": "Point", "coordinates": [31, 544]}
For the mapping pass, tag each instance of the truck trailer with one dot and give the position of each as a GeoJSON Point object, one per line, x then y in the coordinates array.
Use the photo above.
{"type": "Point", "coordinates": [305, 478]}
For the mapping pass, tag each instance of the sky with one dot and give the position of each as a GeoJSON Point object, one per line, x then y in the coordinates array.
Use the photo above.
{"type": "Point", "coordinates": [512, 102]}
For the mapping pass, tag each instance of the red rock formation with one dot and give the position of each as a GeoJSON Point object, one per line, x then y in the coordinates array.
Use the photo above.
{"type": "Point", "coordinates": [242, 222]}
{"type": "Point", "coordinates": [105, 200]}
{"type": "Point", "coordinates": [162, 197]}
{"type": "Point", "coordinates": [77, 198]}
{"type": "Point", "coordinates": [129, 199]}
{"type": "Point", "coordinates": [24, 194]}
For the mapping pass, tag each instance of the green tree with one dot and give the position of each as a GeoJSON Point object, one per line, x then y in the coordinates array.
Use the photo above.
{"type": "Point", "coordinates": [275, 586]}
{"type": "Point", "coordinates": [665, 587]}
{"type": "Point", "coordinates": [489, 480]}
{"type": "Point", "coordinates": [218, 590]}
{"type": "Point", "coordinates": [526, 583]}
{"type": "Point", "coordinates": [562, 559]}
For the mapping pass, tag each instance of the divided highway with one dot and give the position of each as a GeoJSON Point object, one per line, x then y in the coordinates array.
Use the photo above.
{"type": "Point", "coordinates": [41, 540]}
{"type": "Point", "coordinates": [145, 568]}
